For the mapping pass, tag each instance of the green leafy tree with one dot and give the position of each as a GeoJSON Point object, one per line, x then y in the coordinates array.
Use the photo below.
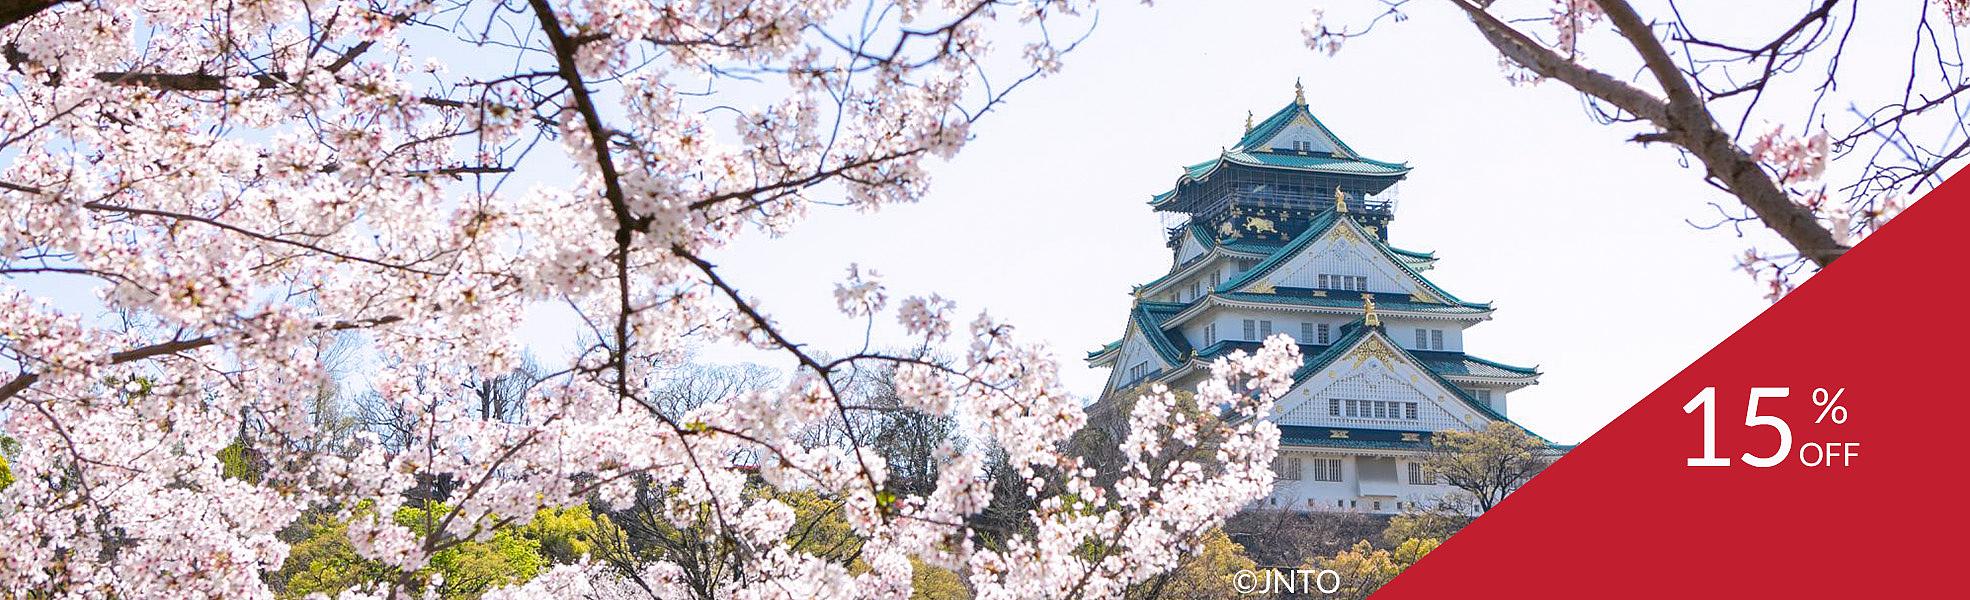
{"type": "Point", "coordinates": [1364, 569]}
{"type": "Point", "coordinates": [1207, 571]}
{"type": "Point", "coordinates": [7, 446]}
{"type": "Point", "coordinates": [236, 461]}
{"type": "Point", "coordinates": [470, 568]}
{"type": "Point", "coordinates": [1488, 463]}
{"type": "Point", "coordinates": [931, 582]}
{"type": "Point", "coordinates": [322, 560]}
{"type": "Point", "coordinates": [1439, 522]}
{"type": "Point", "coordinates": [565, 535]}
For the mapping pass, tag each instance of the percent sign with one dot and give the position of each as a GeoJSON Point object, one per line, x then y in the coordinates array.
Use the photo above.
{"type": "Point", "coordinates": [1829, 403]}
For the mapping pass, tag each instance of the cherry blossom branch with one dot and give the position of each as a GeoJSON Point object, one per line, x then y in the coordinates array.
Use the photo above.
{"type": "Point", "coordinates": [21, 382]}
{"type": "Point", "coordinates": [1681, 115]}
{"type": "Point", "coordinates": [98, 205]}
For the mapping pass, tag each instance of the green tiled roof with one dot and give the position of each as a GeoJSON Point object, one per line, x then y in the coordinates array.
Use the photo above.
{"type": "Point", "coordinates": [1199, 169]}
{"type": "Point", "coordinates": [1104, 349]}
{"type": "Point", "coordinates": [1316, 228]}
{"type": "Point", "coordinates": [1352, 333]}
{"type": "Point", "coordinates": [1204, 236]}
{"type": "Point", "coordinates": [1149, 317]}
{"type": "Point", "coordinates": [1249, 151]}
{"type": "Point", "coordinates": [1251, 247]}
{"type": "Point", "coordinates": [1357, 437]}
{"type": "Point", "coordinates": [1413, 253]}
{"type": "Point", "coordinates": [1383, 301]}
{"type": "Point", "coordinates": [1444, 363]}
{"type": "Point", "coordinates": [1460, 364]}
{"type": "Point", "coordinates": [1279, 119]}
{"type": "Point", "coordinates": [1308, 162]}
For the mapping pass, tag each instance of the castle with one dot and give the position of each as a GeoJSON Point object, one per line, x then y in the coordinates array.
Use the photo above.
{"type": "Point", "coordinates": [1286, 232]}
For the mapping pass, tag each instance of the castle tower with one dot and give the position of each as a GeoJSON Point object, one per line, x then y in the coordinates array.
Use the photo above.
{"type": "Point", "coordinates": [1286, 232]}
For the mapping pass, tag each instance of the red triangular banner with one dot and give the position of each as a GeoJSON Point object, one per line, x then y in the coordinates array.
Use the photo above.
{"type": "Point", "coordinates": [1624, 515]}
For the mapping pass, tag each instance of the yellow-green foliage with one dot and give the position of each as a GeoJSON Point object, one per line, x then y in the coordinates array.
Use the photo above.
{"type": "Point", "coordinates": [1209, 571]}
{"type": "Point", "coordinates": [564, 535]}
{"type": "Point", "coordinates": [324, 561]}
{"type": "Point", "coordinates": [234, 462]}
{"type": "Point", "coordinates": [819, 528]}
{"type": "Point", "coordinates": [471, 568]}
{"type": "Point", "coordinates": [1363, 569]}
{"type": "Point", "coordinates": [1423, 524]}
{"type": "Point", "coordinates": [7, 446]}
{"type": "Point", "coordinates": [930, 582]}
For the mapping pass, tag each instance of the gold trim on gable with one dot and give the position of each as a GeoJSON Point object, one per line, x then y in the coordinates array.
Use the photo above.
{"type": "Point", "coordinates": [1337, 434]}
{"type": "Point", "coordinates": [1373, 348]}
{"type": "Point", "coordinates": [1341, 230]}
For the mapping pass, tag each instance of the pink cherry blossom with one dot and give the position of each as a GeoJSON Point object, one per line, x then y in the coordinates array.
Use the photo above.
{"type": "Point", "coordinates": [244, 185]}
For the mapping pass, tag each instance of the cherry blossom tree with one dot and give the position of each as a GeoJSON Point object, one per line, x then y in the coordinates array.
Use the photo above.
{"type": "Point", "coordinates": [244, 182]}
{"type": "Point", "coordinates": [1768, 110]}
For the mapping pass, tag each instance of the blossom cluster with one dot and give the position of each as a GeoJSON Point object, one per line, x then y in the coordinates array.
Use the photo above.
{"type": "Point", "coordinates": [243, 183]}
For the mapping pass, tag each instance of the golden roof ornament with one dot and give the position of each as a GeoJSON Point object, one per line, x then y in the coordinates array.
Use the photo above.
{"type": "Point", "coordinates": [1340, 200]}
{"type": "Point", "coordinates": [1248, 121]}
{"type": "Point", "coordinates": [1299, 92]}
{"type": "Point", "coordinates": [1368, 309]}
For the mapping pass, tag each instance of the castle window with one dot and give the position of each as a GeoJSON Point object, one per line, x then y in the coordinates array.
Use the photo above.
{"type": "Point", "coordinates": [1265, 329]}
{"type": "Point", "coordinates": [1481, 395]}
{"type": "Point", "coordinates": [1251, 329]}
{"type": "Point", "coordinates": [1352, 283]}
{"type": "Point", "coordinates": [1289, 468]}
{"type": "Point", "coordinates": [1140, 369]}
{"type": "Point", "coordinates": [1306, 333]}
{"type": "Point", "coordinates": [1210, 334]}
{"type": "Point", "coordinates": [1422, 339]}
{"type": "Point", "coordinates": [1321, 333]}
{"type": "Point", "coordinates": [1418, 477]}
{"type": "Point", "coordinates": [1436, 339]}
{"type": "Point", "coordinates": [1333, 407]}
{"type": "Point", "coordinates": [1372, 409]}
{"type": "Point", "coordinates": [1326, 469]}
